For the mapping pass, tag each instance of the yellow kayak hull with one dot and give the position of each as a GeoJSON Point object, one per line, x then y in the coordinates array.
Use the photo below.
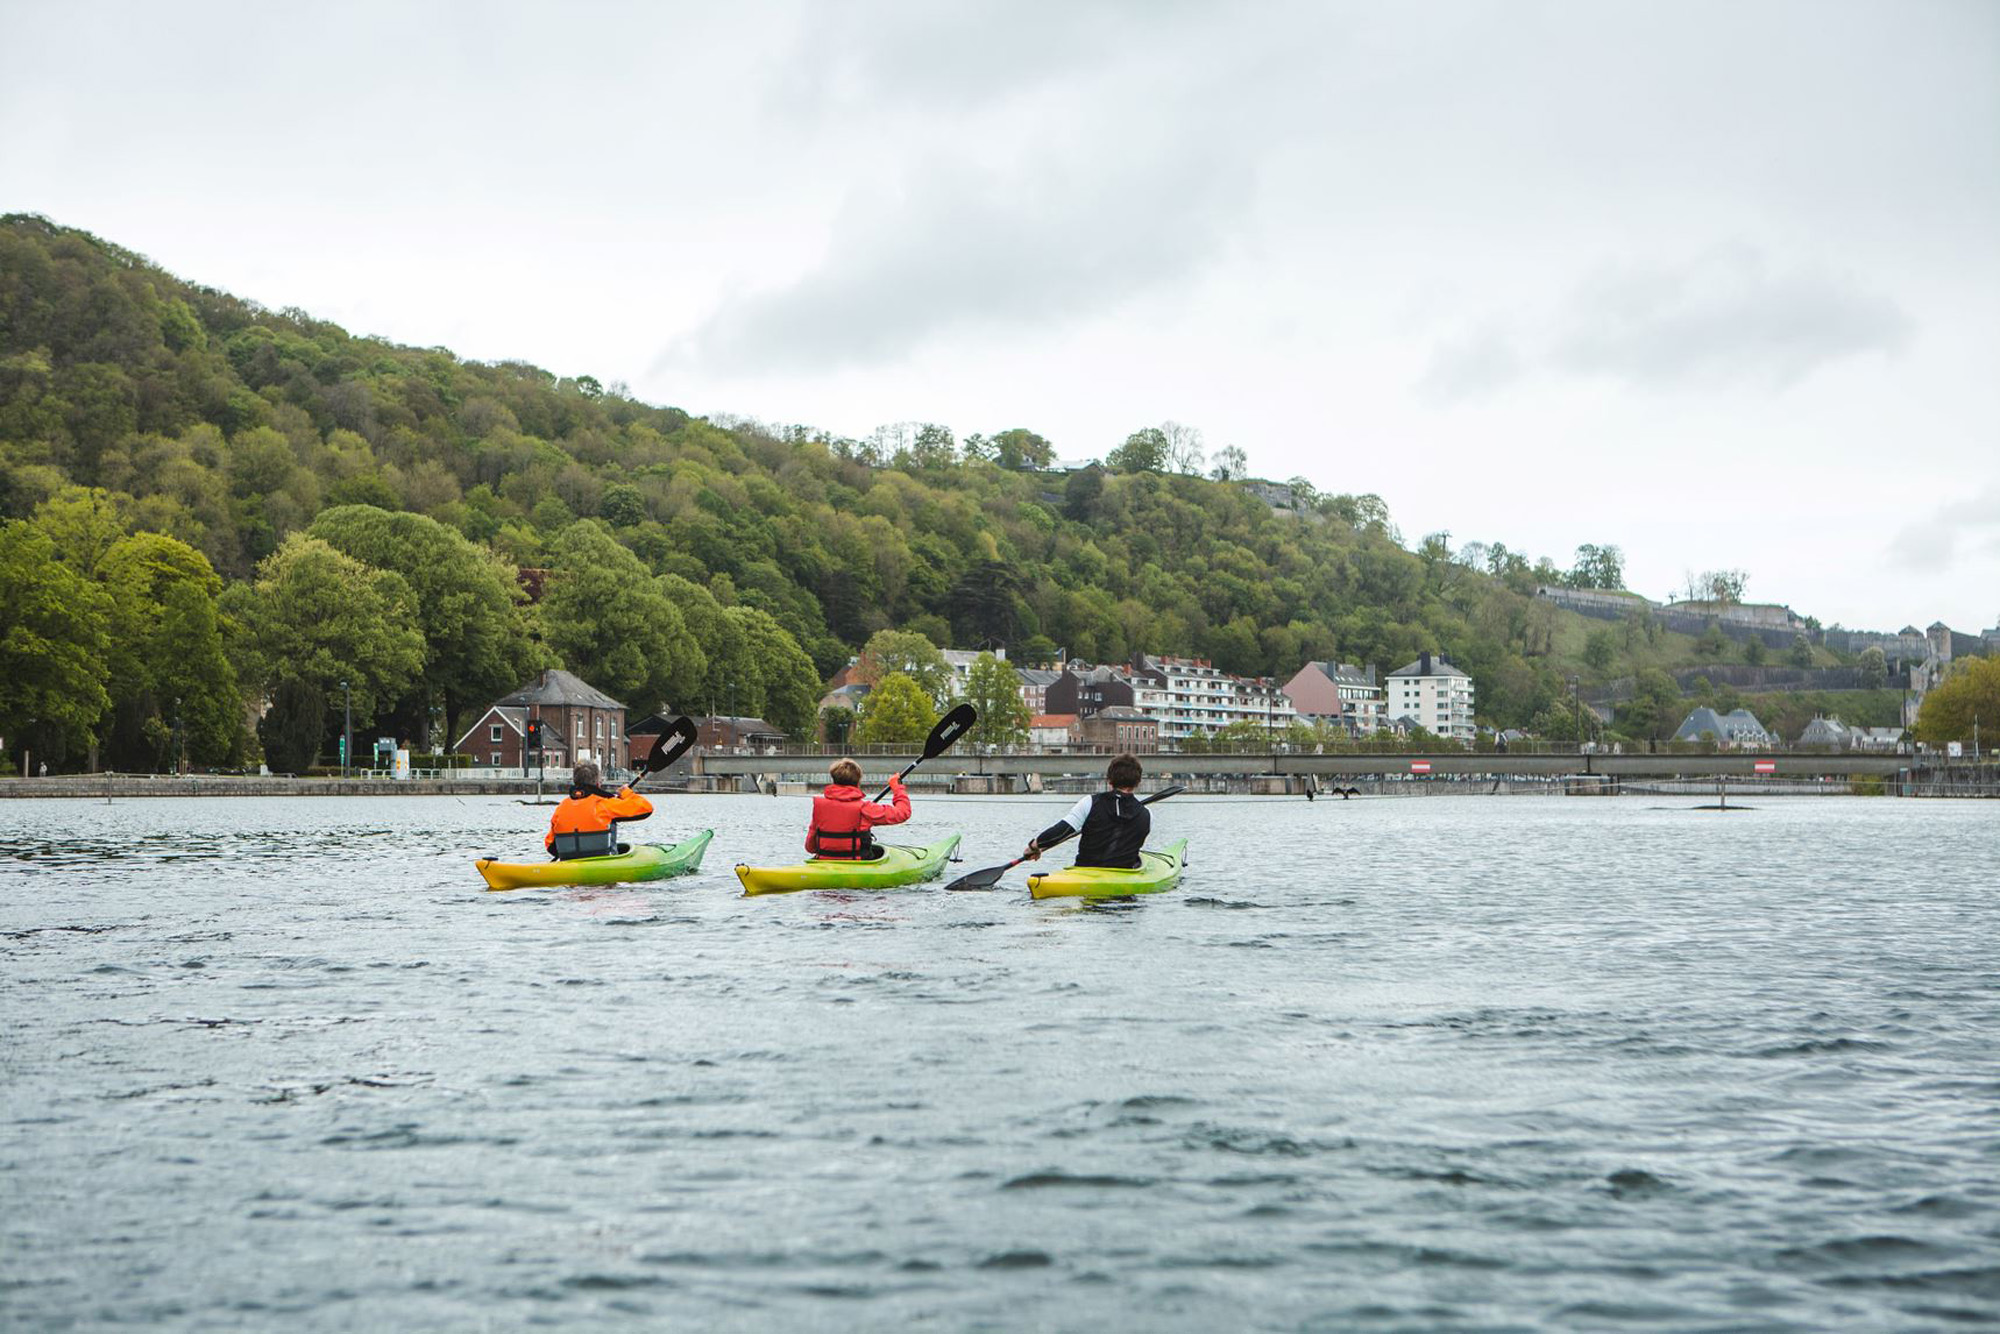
{"type": "Point", "coordinates": [646, 861]}
{"type": "Point", "coordinates": [1156, 871]}
{"type": "Point", "coordinates": [896, 866]}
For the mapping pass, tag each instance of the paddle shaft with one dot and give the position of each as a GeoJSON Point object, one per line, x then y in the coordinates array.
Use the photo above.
{"type": "Point", "coordinates": [949, 729]}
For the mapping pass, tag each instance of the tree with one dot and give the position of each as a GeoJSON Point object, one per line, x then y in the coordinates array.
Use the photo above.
{"type": "Point", "coordinates": [1184, 448]}
{"type": "Point", "coordinates": [169, 662]}
{"type": "Point", "coordinates": [1712, 643]}
{"type": "Point", "coordinates": [1017, 448]}
{"type": "Point", "coordinates": [1724, 586]}
{"type": "Point", "coordinates": [1656, 708]}
{"type": "Point", "coordinates": [896, 710]}
{"type": "Point", "coordinates": [1753, 650]}
{"type": "Point", "coordinates": [610, 623]}
{"type": "Point", "coordinates": [1971, 692]}
{"type": "Point", "coordinates": [1597, 567]}
{"type": "Point", "coordinates": [1231, 464]}
{"type": "Point", "coordinates": [835, 725]}
{"type": "Point", "coordinates": [52, 646]}
{"type": "Point", "coordinates": [468, 607]}
{"type": "Point", "coordinates": [994, 689]}
{"type": "Point", "coordinates": [1146, 450]}
{"type": "Point", "coordinates": [787, 682]}
{"type": "Point", "coordinates": [294, 727]}
{"type": "Point", "coordinates": [622, 505]}
{"type": "Point", "coordinates": [1082, 492]}
{"type": "Point", "coordinates": [1600, 649]}
{"type": "Point", "coordinates": [907, 654]}
{"type": "Point", "coordinates": [1874, 667]}
{"type": "Point", "coordinates": [84, 523]}
{"type": "Point", "coordinates": [318, 615]}
{"type": "Point", "coordinates": [1801, 653]}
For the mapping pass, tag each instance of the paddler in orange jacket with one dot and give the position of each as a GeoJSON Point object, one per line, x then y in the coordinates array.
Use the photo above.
{"type": "Point", "coordinates": [842, 818]}
{"type": "Point", "coordinates": [586, 823]}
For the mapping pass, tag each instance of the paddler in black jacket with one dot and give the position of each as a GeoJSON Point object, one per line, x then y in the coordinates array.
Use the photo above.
{"type": "Point", "coordinates": [1113, 824]}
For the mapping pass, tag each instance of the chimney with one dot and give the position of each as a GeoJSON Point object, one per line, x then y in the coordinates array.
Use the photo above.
{"type": "Point", "coordinates": [1424, 663]}
{"type": "Point", "coordinates": [1370, 674]}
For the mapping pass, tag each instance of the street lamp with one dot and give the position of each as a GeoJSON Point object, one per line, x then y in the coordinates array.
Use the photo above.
{"type": "Point", "coordinates": [346, 726]}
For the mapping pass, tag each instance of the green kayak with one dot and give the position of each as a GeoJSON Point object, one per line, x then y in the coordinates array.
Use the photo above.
{"type": "Point", "coordinates": [896, 866]}
{"type": "Point", "coordinates": [1156, 871]}
{"type": "Point", "coordinates": [646, 861]}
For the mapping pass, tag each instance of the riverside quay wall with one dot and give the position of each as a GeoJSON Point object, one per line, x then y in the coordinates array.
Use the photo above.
{"type": "Point", "coordinates": [1271, 774]}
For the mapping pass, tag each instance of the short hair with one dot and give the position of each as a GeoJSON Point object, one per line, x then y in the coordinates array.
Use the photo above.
{"type": "Point", "coordinates": [1124, 771]}
{"type": "Point", "coordinates": [845, 771]}
{"type": "Point", "coordinates": [586, 775]}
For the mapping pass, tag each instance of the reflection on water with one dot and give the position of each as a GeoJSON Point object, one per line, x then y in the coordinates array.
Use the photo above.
{"type": "Point", "coordinates": [1376, 1064]}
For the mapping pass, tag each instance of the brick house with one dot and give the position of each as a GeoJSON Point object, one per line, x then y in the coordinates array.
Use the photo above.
{"type": "Point", "coordinates": [579, 722]}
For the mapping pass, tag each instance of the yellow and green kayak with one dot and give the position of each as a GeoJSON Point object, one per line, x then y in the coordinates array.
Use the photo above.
{"type": "Point", "coordinates": [646, 861]}
{"type": "Point", "coordinates": [896, 866]}
{"type": "Point", "coordinates": [1156, 871]}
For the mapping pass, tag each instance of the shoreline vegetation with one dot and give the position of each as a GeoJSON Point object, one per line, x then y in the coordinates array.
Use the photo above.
{"type": "Point", "coordinates": [225, 531]}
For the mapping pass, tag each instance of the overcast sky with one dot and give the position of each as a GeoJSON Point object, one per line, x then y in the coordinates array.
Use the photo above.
{"type": "Point", "coordinates": [1716, 282]}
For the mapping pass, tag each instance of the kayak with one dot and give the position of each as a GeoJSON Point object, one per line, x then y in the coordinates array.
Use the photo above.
{"type": "Point", "coordinates": [1156, 871]}
{"type": "Point", "coordinates": [896, 866]}
{"type": "Point", "coordinates": [646, 861]}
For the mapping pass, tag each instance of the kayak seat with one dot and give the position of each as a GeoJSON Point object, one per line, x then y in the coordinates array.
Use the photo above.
{"type": "Point", "coordinates": [594, 843]}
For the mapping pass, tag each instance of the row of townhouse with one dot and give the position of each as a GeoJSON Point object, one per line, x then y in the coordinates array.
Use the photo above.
{"type": "Point", "coordinates": [1429, 692]}
{"type": "Point", "coordinates": [1164, 699]}
{"type": "Point", "coordinates": [1184, 698]}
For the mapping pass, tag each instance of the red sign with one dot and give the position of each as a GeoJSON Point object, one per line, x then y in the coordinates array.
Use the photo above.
{"type": "Point", "coordinates": [1420, 766]}
{"type": "Point", "coordinates": [1766, 766]}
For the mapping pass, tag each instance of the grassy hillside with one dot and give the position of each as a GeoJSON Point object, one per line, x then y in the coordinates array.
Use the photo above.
{"type": "Point", "coordinates": [230, 427]}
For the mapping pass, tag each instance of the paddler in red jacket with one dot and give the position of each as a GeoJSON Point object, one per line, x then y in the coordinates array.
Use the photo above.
{"type": "Point", "coordinates": [586, 823]}
{"type": "Point", "coordinates": [842, 818]}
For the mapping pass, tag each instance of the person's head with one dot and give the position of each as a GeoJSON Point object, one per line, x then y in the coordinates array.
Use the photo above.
{"type": "Point", "coordinates": [585, 777]}
{"type": "Point", "coordinates": [845, 772]}
{"type": "Point", "coordinates": [1124, 772]}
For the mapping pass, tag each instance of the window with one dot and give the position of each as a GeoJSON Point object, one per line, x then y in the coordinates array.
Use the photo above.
{"type": "Point", "coordinates": [579, 729]}
{"type": "Point", "coordinates": [494, 735]}
{"type": "Point", "coordinates": [496, 759]}
{"type": "Point", "coordinates": [600, 729]}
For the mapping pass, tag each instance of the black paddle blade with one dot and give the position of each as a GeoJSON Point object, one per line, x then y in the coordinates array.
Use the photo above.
{"type": "Point", "coordinates": [673, 744]}
{"type": "Point", "coordinates": [985, 879]}
{"type": "Point", "coordinates": [1161, 795]}
{"type": "Point", "coordinates": [949, 729]}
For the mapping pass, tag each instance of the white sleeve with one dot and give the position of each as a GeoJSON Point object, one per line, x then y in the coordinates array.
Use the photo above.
{"type": "Point", "coordinates": [1078, 814]}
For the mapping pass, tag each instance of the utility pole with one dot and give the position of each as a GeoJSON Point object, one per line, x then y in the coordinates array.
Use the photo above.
{"type": "Point", "coordinates": [346, 726]}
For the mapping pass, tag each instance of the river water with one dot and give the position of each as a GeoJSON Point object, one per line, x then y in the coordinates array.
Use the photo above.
{"type": "Point", "coordinates": [1383, 1064]}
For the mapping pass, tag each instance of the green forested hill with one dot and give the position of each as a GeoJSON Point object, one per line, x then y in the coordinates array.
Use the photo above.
{"type": "Point", "coordinates": [267, 452]}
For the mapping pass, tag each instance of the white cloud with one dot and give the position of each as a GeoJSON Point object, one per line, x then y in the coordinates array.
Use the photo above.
{"type": "Point", "coordinates": [1732, 315]}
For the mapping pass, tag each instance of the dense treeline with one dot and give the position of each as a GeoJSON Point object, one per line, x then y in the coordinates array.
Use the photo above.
{"type": "Point", "coordinates": [310, 508]}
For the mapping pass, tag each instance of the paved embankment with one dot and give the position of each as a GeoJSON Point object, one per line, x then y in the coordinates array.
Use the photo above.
{"type": "Point", "coordinates": [218, 785]}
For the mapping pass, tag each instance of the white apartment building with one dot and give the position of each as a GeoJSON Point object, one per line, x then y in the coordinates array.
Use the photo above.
{"type": "Point", "coordinates": [1190, 697]}
{"type": "Point", "coordinates": [960, 661]}
{"type": "Point", "coordinates": [1434, 693]}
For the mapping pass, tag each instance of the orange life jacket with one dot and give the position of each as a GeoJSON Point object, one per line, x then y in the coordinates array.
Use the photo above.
{"type": "Point", "coordinates": [841, 820]}
{"type": "Point", "coordinates": [595, 812]}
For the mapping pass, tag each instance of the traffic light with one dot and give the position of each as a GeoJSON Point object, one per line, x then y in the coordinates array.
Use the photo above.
{"type": "Point", "coordinates": [534, 734]}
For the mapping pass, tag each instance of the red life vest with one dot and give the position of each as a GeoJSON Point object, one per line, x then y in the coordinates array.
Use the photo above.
{"type": "Point", "coordinates": [841, 820]}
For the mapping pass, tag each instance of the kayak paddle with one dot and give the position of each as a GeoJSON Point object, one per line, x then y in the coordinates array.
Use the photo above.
{"type": "Point", "coordinates": [990, 877]}
{"type": "Point", "coordinates": [949, 729]}
{"type": "Point", "coordinates": [681, 733]}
